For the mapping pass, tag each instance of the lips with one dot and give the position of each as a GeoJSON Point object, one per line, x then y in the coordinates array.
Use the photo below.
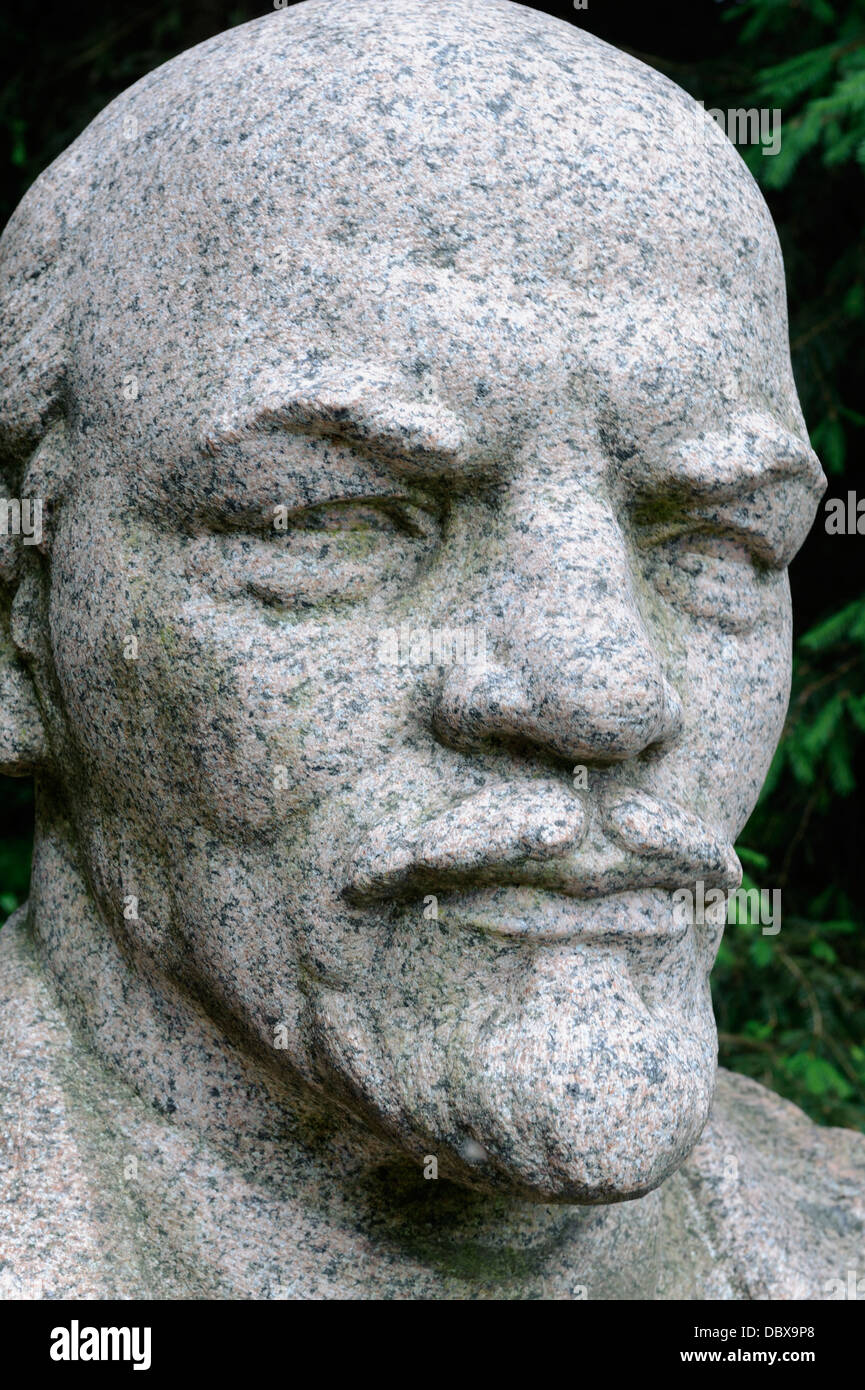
{"type": "Point", "coordinates": [479, 840]}
{"type": "Point", "coordinates": [540, 835]}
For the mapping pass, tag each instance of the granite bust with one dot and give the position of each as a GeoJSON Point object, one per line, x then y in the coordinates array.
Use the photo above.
{"type": "Point", "coordinates": [351, 967]}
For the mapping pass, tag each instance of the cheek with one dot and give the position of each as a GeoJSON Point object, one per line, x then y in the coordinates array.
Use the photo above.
{"type": "Point", "coordinates": [102, 748]}
{"type": "Point", "coordinates": [259, 722]}
{"type": "Point", "coordinates": [738, 690]}
{"type": "Point", "coordinates": [189, 711]}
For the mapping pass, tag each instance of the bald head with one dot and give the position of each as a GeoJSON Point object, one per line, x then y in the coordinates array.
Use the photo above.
{"type": "Point", "coordinates": [484, 163]}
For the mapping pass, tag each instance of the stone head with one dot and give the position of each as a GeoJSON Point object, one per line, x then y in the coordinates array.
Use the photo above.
{"type": "Point", "coordinates": [409, 393]}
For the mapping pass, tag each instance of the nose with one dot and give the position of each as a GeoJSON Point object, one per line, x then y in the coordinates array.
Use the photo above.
{"type": "Point", "coordinates": [576, 671]}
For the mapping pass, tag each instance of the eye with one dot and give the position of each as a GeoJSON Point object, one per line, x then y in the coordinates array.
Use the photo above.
{"type": "Point", "coordinates": [708, 574]}
{"type": "Point", "coordinates": [378, 514]}
{"type": "Point", "coordinates": [332, 552]}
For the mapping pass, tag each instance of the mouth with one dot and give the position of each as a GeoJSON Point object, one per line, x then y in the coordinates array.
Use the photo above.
{"type": "Point", "coordinates": [520, 912]}
{"type": "Point", "coordinates": [527, 860]}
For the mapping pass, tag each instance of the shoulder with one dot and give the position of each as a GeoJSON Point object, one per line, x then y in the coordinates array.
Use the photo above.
{"type": "Point", "coordinates": [768, 1206]}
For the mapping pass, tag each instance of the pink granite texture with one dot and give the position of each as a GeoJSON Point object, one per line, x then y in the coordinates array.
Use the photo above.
{"type": "Point", "coordinates": [408, 388]}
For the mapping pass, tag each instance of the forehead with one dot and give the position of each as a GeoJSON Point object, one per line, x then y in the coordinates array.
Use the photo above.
{"type": "Point", "coordinates": [493, 207]}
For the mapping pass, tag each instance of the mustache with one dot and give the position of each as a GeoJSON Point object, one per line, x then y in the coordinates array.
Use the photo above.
{"type": "Point", "coordinates": [539, 833]}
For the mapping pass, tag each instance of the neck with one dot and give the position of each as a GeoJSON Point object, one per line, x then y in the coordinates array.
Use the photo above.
{"type": "Point", "coordinates": [273, 1171]}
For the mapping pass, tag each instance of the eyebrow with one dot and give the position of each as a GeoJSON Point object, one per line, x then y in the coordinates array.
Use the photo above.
{"type": "Point", "coordinates": [755, 452]}
{"type": "Point", "coordinates": [771, 492]}
{"type": "Point", "coordinates": [425, 439]}
{"type": "Point", "coordinates": [414, 436]}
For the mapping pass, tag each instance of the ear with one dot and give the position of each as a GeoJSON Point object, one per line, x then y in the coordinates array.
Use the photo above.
{"type": "Point", "coordinates": [23, 746]}
{"type": "Point", "coordinates": [22, 738]}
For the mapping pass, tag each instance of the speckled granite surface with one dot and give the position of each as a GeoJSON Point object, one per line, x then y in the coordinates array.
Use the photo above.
{"type": "Point", "coordinates": [360, 326]}
{"type": "Point", "coordinates": [768, 1206]}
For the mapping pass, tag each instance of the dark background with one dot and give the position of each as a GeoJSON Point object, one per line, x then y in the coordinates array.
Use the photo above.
{"type": "Point", "coordinates": [791, 1007]}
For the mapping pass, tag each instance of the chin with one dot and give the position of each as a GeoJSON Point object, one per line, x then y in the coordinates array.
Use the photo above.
{"type": "Point", "coordinates": [559, 1079]}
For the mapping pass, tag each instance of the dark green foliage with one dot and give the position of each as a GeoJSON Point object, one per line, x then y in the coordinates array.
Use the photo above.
{"type": "Point", "coordinates": [791, 1007]}
{"type": "Point", "coordinates": [16, 837]}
